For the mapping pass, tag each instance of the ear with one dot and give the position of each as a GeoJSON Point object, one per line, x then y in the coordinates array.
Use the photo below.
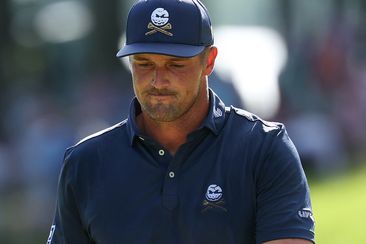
{"type": "Point", "coordinates": [211, 57]}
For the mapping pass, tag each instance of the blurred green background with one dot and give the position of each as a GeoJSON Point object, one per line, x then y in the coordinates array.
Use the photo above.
{"type": "Point", "coordinates": [339, 204]}
{"type": "Point", "coordinates": [299, 62]}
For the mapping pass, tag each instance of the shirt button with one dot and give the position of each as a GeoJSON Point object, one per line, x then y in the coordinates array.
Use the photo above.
{"type": "Point", "coordinates": [161, 152]}
{"type": "Point", "coordinates": [171, 174]}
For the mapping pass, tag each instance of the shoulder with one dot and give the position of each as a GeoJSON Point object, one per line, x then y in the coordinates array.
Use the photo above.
{"type": "Point", "coordinates": [252, 123]}
{"type": "Point", "coordinates": [257, 135]}
{"type": "Point", "coordinates": [100, 136]}
{"type": "Point", "coordinates": [90, 147]}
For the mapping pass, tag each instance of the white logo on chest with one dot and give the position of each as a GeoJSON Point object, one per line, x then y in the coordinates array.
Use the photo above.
{"type": "Point", "coordinates": [214, 193]}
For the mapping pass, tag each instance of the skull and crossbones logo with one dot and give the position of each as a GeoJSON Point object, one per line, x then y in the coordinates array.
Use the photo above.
{"type": "Point", "coordinates": [159, 22]}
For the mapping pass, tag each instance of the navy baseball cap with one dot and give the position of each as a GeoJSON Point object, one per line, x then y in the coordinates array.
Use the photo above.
{"type": "Point", "coordinates": [180, 28]}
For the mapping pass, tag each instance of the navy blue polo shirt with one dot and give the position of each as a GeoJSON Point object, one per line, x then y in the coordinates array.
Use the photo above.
{"type": "Point", "coordinates": [237, 179]}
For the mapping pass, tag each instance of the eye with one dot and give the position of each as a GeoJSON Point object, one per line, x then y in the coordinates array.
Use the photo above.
{"type": "Point", "coordinates": [177, 65]}
{"type": "Point", "coordinates": [144, 64]}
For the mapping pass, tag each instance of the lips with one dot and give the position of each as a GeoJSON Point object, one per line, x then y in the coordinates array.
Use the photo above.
{"type": "Point", "coordinates": [160, 93]}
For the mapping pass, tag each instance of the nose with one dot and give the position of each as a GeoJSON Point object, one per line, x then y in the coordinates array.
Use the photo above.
{"type": "Point", "coordinates": [159, 79]}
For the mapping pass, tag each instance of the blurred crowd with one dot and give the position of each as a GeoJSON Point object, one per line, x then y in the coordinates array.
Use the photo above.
{"type": "Point", "coordinates": [54, 94]}
{"type": "Point", "coordinates": [324, 95]}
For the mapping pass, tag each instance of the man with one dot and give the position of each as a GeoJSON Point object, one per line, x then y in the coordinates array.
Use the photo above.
{"type": "Point", "coordinates": [183, 168]}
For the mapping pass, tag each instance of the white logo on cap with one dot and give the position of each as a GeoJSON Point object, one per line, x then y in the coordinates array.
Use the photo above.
{"type": "Point", "coordinates": [160, 17]}
{"type": "Point", "coordinates": [159, 22]}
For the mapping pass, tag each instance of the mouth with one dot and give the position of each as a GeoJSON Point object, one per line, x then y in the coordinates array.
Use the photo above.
{"type": "Point", "coordinates": [160, 94]}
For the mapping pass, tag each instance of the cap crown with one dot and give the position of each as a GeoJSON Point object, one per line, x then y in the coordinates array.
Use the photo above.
{"type": "Point", "coordinates": [186, 20]}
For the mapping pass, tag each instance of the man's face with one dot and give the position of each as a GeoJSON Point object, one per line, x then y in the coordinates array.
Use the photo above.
{"type": "Point", "coordinates": [168, 87]}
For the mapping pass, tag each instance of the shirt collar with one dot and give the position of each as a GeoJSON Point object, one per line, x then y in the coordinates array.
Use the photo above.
{"type": "Point", "coordinates": [214, 121]}
{"type": "Point", "coordinates": [216, 115]}
{"type": "Point", "coordinates": [132, 128]}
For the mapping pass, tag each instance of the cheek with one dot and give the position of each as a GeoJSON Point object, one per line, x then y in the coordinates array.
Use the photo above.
{"type": "Point", "coordinates": [140, 74]}
{"type": "Point", "coordinates": [135, 87]}
{"type": "Point", "coordinates": [139, 80]}
{"type": "Point", "coordinates": [191, 81]}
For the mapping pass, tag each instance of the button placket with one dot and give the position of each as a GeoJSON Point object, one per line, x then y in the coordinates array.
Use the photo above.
{"type": "Point", "coordinates": [170, 190]}
{"type": "Point", "coordinates": [161, 152]}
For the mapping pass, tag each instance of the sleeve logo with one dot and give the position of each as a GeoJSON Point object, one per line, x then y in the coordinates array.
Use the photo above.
{"type": "Point", "coordinates": [306, 213]}
{"type": "Point", "coordinates": [52, 231]}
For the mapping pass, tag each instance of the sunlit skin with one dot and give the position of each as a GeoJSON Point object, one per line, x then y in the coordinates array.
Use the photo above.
{"type": "Point", "coordinates": [167, 87]}
{"type": "Point", "coordinates": [173, 94]}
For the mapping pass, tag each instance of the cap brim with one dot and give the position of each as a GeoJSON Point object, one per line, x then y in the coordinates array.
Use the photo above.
{"type": "Point", "coordinates": [177, 50]}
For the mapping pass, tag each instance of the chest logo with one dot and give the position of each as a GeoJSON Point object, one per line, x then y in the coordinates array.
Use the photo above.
{"type": "Point", "coordinates": [214, 193]}
{"type": "Point", "coordinates": [159, 22]}
{"type": "Point", "coordinates": [214, 199]}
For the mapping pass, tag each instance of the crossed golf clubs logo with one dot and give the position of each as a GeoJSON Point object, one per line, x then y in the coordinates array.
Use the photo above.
{"type": "Point", "coordinates": [162, 29]}
{"type": "Point", "coordinates": [159, 22]}
{"type": "Point", "coordinates": [214, 198]}
{"type": "Point", "coordinates": [210, 205]}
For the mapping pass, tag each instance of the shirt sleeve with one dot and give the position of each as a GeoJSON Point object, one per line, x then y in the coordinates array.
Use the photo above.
{"type": "Point", "coordinates": [283, 199]}
{"type": "Point", "coordinates": [67, 226]}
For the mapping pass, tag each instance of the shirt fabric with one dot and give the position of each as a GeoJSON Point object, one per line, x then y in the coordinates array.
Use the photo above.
{"type": "Point", "coordinates": [237, 179]}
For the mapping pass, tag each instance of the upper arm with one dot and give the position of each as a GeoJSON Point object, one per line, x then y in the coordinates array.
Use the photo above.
{"type": "Point", "coordinates": [67, 226]}
{"type": "Point", "coordinates": [283, 197]}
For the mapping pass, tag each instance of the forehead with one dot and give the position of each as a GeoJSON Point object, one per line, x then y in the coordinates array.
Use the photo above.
{"type": "Point", "coordinates": [158, 57]}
